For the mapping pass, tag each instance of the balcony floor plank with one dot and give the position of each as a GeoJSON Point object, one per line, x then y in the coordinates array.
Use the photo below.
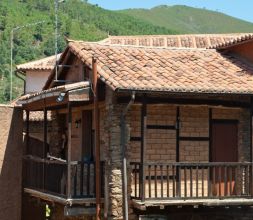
{"type": "Point", "coordinates": [53, 198]}
{"type": "Point", "coordinates": [138, 204]}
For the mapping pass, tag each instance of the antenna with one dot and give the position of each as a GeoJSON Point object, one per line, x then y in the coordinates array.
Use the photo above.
{"type": "Point", "coordinates": [56, 6]}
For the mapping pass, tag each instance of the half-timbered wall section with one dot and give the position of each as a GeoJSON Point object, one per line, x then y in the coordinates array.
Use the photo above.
{"type": "Point", "coordinates": [193, 132]}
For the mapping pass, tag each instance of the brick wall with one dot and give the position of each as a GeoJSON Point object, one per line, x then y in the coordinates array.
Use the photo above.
{"type": "Point", "coordinates": [10, 162]}
{"type": "Point", "coordinates": [194, 122]}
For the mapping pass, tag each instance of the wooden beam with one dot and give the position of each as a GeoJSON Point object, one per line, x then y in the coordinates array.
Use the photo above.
{"type": "Point", "coordinates": [185, 101]}
{"type": "Point", "coordinates": [143, 145]}
{"type": "Point", "coordinates": [97, 137]}
{"type": "Point", "coordinates": [69, 151]}
{"type": "Point", "coordinates": [194, 138]}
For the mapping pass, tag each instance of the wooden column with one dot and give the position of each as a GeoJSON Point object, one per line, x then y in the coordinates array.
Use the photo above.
{"type": "Point", "coordinates": [97, 137]}
{"type": "Point", "coordinates": [69, 151]}
{"type": "Point", "coordinates": [27, 132]}
{"type": "Point", "coordinates": [210, 150]}
{"type": "Point", "coordinates": [251, 146]}
{"type": "Point", "coordinates": [143, 146]}
{"type": "Point", "coordinates": [178, 189]}
{"type": "Point", "coordinates": [44, 145]}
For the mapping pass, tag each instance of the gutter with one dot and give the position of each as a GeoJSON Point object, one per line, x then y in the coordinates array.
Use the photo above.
{"type": "Point", "coordinates": [123, 153]}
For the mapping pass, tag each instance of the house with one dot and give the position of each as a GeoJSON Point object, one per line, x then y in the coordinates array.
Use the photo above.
{"type": "Point", "coordinates": [36, 73]}
{"type": "Point", "coordinates": [144, 132]}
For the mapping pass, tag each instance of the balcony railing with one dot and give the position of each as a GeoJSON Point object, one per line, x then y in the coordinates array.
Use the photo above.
{"type": "Point", "coordinates": [191, 180]}
{"type": "Point", "coordinates": [50, 176]}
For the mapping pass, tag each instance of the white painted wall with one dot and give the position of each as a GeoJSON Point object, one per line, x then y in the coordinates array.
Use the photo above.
{"type": "Point", "coordinates": [35, 80]}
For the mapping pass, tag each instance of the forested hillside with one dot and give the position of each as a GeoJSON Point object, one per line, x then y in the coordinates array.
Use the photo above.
{"type": "Point", "coordinates": [190, 20]}
{"type": "Point", "coordinates": [80, 20]}
{"type": "Point", "coordinates": [77, 20]}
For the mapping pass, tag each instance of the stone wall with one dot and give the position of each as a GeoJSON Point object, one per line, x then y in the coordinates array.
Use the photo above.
{"type": "Point", "coordinates": [11, 145]}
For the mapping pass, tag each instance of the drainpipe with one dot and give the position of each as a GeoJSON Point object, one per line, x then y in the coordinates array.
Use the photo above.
{"type": "Point", "coordinates": [17, 75]}
{"type": "Point", "coordinates": [123, 153]}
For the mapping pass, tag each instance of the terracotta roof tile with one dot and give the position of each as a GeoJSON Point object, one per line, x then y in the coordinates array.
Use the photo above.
{"type": "Point", "coordinates": [189, 40]}
{"type": "Point", "coordinates": [232, 41]}
{"type": "Point", "coordinates": [167, 69]}
{"type": "Point", "coordinates": [47, 63]}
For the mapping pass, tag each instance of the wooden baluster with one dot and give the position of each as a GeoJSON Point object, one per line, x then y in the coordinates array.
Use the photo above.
{"type": "Point", "coordinates": [88, 179]}
{"type": "Point", "coordinates": [230, 179]}
{"type": "Point", "coordinates": [155, 181]}
{"type": "Point", "coordinates": [81, 179]}
{"type": "Point", "coordinates": [197, 181]}
{"type": "Point", "coordinates": [191, 181]}
{"type": "Point", "coordinates": [168, 182]}
{"type": "Point", "coordinates": [202, 182]}
{"type": "Point", "coordinates": [185, 182]}
{"type": "Point", "coordinates": [149, 181]}
{"type": "Point", "coordinates": [209, 181]}
{"type": "Point", "coordinates": [135, 180]}
{"type": "Point", "coordinates": [219, 170]}
{"type": "Point", "coordinates": [225, 181]}
{"type": "Point", "coordinates": [174, 180]}
{"type": "Point", "coordinates": [161, 172]}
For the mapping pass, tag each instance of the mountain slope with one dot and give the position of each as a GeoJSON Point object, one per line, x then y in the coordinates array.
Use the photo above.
{"type": "Point", "coordinates": [186, 19]}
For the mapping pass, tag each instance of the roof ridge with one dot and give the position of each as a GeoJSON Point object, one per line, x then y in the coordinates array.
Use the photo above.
{"type": "Point", "coordinates": [140, 46]}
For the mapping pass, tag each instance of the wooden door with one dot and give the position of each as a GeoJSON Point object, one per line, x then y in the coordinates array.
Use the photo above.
{"type": "Point", "coordinates": [224, 149]}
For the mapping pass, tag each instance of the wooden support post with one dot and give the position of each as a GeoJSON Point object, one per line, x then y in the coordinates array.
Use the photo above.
{"type": "Point", "coordinates": [178, 189]}
{"type": "Point", "coordinates": [69, 151]}
{"type": "Point", "coordinates": [44, 145]}
{"type": "Point", "coordinates": [251, 147]}
{"type": "Point", "coordinates": [97, 137]}
{"type": "Point", "coordinates": [27, 132]}
{"type": "Point", "coordinates": [143, 147]}
{"type": "Point", "coordinates": [210, 113]}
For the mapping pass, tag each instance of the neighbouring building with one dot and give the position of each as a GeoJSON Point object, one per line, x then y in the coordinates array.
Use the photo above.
{"type": "Point", "coordinates": [145, 130]}
{"type": "Point", "coordinates": [36, 73]}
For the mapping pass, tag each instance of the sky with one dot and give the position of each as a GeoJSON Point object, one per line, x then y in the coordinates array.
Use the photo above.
{"type": "Point", "coordinates": [237, 8]}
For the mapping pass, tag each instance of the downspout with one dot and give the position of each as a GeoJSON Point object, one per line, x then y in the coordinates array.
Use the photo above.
{"type": "Point", "coordinates": [24, 84]}
{"type": "Point", "coordinates": [123, 153]}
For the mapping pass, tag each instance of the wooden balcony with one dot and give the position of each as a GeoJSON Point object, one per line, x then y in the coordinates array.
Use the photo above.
{"type": "Point", "coordinates": [191, 183]}
{"type": "Point", "coordinates": [48, 180]}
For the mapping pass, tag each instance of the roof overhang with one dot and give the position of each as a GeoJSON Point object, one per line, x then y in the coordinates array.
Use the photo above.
{"type": "Point", "coordinates": [56, 97]}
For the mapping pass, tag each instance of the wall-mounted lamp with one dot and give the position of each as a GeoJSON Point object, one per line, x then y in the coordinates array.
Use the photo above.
{"type": "Point", "coordinates": [60, 98]}
{"type": "Point", "coordinates": [77, 122]}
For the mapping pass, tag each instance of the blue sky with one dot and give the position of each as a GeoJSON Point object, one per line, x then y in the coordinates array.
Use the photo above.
{"type": "Point", "coordinates": [237, 8]}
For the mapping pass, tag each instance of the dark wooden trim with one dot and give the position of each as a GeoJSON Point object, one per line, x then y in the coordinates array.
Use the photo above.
{"type": "Point", "coordinates": [162, 127]}
{"type": "Point", "coordinates": [143, 146]}
{"type": "Point", "coordinates": [177, 134]}
{"type": "Point", "coordinates": [135, 138]}
{"type": "Point", "coordinates": [194, 138]}
{"type": "Point", "coordinates": [97, 138]}
{"type": "Point", "coordinates": [184, 101]}
{"type": "Point", "coordinates": [225, 121]}
{"type": "Point", "coordinates": [44, 144]}
{"type": "Point", "coordinates": [69, 151]}
{"type": "Point", "coordinates": [27, 132]}
{"type": "Point", "coordinates": [210, 133]}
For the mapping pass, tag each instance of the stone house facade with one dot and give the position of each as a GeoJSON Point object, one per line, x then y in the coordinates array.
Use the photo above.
{"type": "Point", "coordinates": [161, 129]}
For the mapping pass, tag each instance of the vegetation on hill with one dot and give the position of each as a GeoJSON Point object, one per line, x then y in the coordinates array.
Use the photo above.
{"type": "Point", "coordinates": [186, 19]}
{"type": "Point", "coordinates": [80, 20]}
{"type": "Point", "coordinates": [77, 20]}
